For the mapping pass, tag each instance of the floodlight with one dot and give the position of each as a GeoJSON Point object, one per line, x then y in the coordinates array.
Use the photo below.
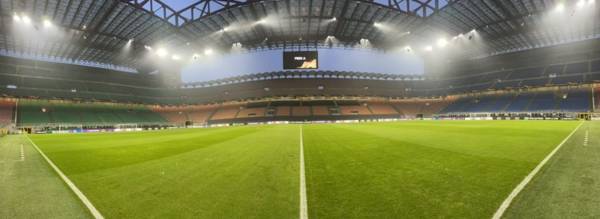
{"type": "Point", "coordinates": [47, 23]}
{"type": "Point", "coordinates": [560, 7]}
{"type": "Point", "coordinates": [175, 57]}
{"type": "Point", "coordinates": [428, 48]}
{"type": "Point", "coordinates": [26, 19]}
{"type": "Point", "coordinates": [208, 52]}
{"type": "Point", "coordinates": [16, 17]}
{"type": "Point", "coordinates": [161, 52]}
{"type": "Point", "coordinates": [442, 42]}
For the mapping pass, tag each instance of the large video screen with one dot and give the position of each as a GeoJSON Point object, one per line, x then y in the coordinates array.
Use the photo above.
{"type": "Point", "coordinates": [301, 60]}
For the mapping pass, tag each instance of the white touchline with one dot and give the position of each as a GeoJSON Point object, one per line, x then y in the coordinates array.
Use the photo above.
{"type": "Point", "coordinates": [303, 202]}
{"type": "Point", "coordinates": [529, 177]}
{"type": "Point", "coordinates": [69, 183]}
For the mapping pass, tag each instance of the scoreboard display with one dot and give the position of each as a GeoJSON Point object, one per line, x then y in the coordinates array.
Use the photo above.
{"type": "Point", "coordinates": [301, 60]}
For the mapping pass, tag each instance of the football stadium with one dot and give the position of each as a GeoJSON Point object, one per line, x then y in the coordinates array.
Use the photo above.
{"type": "Point", "coordinates": [299, 109]}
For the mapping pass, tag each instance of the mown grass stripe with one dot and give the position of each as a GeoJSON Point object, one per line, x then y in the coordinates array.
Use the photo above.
{"type": "Point", "coordinates": [69, 183]}
{"type": "Point", "coordinates": [506, 203]}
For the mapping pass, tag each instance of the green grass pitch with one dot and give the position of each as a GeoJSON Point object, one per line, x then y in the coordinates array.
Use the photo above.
{"type": "Point", "coordinates": [425, 169]}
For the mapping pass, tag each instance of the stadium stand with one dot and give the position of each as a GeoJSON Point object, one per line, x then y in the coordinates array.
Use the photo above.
{"type": "Point", "coordinates": [283, 111]}
{"type": "Point", "coordinates": [56, 113]}
{"type": "Point", "coordinates": [251, 112]}
{"type": "Point", "coordinates": [355, 110]}
{"type": "Point", "coordinates": [320, 110]}
{"type": "Point", "coordinates": [571, 100]}
{"type": "Point", "coordinates": [226, 113]}
{"type": "Point", "coordinates": [201, 114]}
{"type": "Point", "coordinates": [382, 109]}
{"type": "Point", "coordinates": [302, 111]}
{"type": "Point", "coordinates": [418, 108]}
{"type": "Point", "coordinates": [597, 99]}
{"type": "Point", "coordinates": [6, 112]}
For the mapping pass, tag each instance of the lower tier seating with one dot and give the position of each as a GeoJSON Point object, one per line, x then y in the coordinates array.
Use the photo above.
{"type": "Point", "coordinates": [6, 112]}
{"type": "Point", "coordinates": [41, 112]}
{"type": "Point", "coordinates": [572, 100]}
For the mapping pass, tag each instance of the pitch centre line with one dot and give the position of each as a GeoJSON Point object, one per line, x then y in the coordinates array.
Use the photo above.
{"type": "Point", "coordinates": [69, 183]}
{"type": "Point", "coordinates": [303, 201]}
{"type": "Point", "coordinates": [530, 176]}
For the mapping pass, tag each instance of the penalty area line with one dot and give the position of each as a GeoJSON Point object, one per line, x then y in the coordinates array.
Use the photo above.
{"type": "Point", "coordinates": [69, 183]}
{"type": "Point", "coordinates": [506, 203]}
{"type": "Point", "coordinates": [303, 201]}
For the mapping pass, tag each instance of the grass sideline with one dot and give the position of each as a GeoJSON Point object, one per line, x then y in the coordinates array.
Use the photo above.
{"type": "Point", "coordinates": [410, 169]}
{"type": "Point", "coordinates": [29, 188]}
{"type": "Point", "coordinates": [569, 186]}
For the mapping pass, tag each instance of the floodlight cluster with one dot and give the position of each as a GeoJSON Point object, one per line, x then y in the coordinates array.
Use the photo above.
{"type": "Point", "coordinates": [26, 20]}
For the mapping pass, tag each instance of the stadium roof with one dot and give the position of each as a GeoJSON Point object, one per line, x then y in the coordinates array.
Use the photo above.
{"type": "Point", "coordinates": [98, 30]}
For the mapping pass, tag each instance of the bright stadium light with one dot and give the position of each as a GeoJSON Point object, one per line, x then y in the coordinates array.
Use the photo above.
{"type": "Point", "coordinates": [208, 52]}
{"type": "Point", "coordinates": [16, 17]}
{"type": "Point", "coordinates": [377, 24]}
{"type": "Point", "coordinates": [581, 3]}
{"type": "Point", "coordinates": [428, 48]}
{"type": "Point", "coordinates": [334, 19]}
{"type": "Point", "coordinates": [175, 57]}
{"type": "Point", "coordinates": [47, 23]}
{"type": "Point", "coordinates": [560, 7]}
{"type": "Point", "coordinates": [591, 1]}
{"type": "Point", "coordinates": [147, 47]}
{"type": "Point", "coordinates": [26, 19]}
{"type": "Point", "coordinates": [161, 52]}
{"type": "Point", "coordinates": [442, 42]}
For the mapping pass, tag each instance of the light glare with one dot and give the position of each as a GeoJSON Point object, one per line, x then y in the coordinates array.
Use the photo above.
{"type": "Point", "coordinates": [560, 7]}
{"type": "Point", "coordinates": [47, 23]}
{"type": "Point", "coordinates": [208, 52]}
{"type": "Point", "coordinates": [161, 52]}
{"type": "Point", "coordinates": [442, 42]}
{"type": "Point", "coordinates": [26, 20]}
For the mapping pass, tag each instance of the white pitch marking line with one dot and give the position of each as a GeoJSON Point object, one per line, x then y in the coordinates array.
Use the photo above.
{"type": "Point", "coordinates": [585, 140]}
{"type": "Point", "coordinates": [303, 201]}
{"type": "Point", "coordinates": [22, 153]}
{"type": "Point", "coordinates": [69, 183]}
{"type": "Point", "coordinates": [529, 177]}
